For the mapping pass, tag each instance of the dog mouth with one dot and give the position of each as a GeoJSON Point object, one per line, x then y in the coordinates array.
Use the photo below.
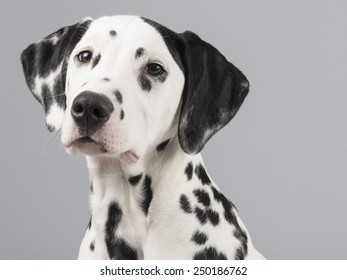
{"type": "Point", "coordinates": [88, 145]}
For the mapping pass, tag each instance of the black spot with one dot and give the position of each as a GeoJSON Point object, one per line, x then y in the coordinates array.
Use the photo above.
{"type": "Point", "coordinates": [92, 246]}
{"type": "Point", "coordinates": [231, 218]}
{"type": "Point", "coordinates": [162, 145]}
{"type": "Point", "coordinates": [134, 180]}
{"type": "Point", "coordinates": [113, 33]}
{"type": "Point", "coordinates": [114, 217]}
{"type": "Point", "coordinates": [89, 223]}
{"type": "Point", "coordinates": [96, 60]}
{"type": "Point", "coordinates": [121, 115]}
{"type": "Point", "coordinates": [202, 175]}
{"type": "Point", "coordinates": [209, 253]}
{"type": "Point", "coordinates": [145, 83]}
{"type": "Point", "coordinates": [50, 127]}
{"type": "Point", "coordinates": [200, 215]}
{"type": "Point", "coordinates": [91, 187]}
{"type": "Point", "coordinates": [84, 84]}
{"type": "Point", "coordinates": [227, 205]}
{"type": "Point", "coordinates": [242, 251]}
{"type": "Point", "coordinates": [118, 96]}
{"type": "Point", "coordinates": [213, 216]}
{"type": "Point", "coordinates": [139, 53]}
{"type": "Point", "coordinates": [106, 79]}
{"type": "Point", "coordinates": [147, 194]}
{"type": "Point", "coordinates": [189, 171]}
{"type": "Point", "coordinates": [199, 237]}
{"type": "Point", "coordinates": [185, 204]}
{"type": "Point", "coordinates": [122, 250]}
{"type": "Point", "coordinates": [203, 197]}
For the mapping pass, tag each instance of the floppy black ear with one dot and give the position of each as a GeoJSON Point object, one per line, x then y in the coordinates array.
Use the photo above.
{"type": "Point", "coordinates": [44, 65]}
{"type": "Point", "coordinates": [213, 92]}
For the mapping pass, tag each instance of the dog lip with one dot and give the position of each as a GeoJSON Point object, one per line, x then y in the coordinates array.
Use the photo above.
{"type": "Point", "coordinates": [85, 140]}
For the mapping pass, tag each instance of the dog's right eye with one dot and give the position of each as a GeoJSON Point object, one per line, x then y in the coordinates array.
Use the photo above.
{"type": "Point", "coordinates": [85, 56]}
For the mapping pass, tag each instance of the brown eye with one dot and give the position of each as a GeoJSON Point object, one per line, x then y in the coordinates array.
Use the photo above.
{"type": "Point", "coordinates": [155, 69]}
{"type": "Point", "coordinates": [85, 56]}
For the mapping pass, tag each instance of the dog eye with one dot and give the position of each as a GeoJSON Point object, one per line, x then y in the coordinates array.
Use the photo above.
{"type": "Point", "coordinates": [155, 69]}
{"type": "Point", "coordinates": [85, 56]}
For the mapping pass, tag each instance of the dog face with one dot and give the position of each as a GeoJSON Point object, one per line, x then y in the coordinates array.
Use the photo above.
{"type": "Point", "coordinates": [123, 89]}
{"type": "Point", "coordinates": [117, 86]}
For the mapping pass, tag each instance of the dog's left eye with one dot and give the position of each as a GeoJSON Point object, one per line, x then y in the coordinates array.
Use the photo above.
{"type": "Point", "coordinates": [85, 56]}
{"type": "Point", "coordinates": [155, 69]}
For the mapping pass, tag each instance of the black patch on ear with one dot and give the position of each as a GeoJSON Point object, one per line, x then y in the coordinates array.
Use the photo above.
{"type": "Point", "coordinates": [202, 175]}
{"type": "Point", "coordinates": [213, 92]}
{"type": "Point", "coordinates": [185, 204]}
{"type": "Point", "coordinates": [144, 82]}
{"type": "Point", "coordinates": [47, 97]}
{"type": "Point", "coordinates": [209, 253]}
{"type": "Point", "coordinates": [147, 194]}
{"type": "Point", "coordinates": [139, 52]}
{"type": "Point", "coordinates": [134, 180]}
{"type": "Point", "coordinates": [118, 96]}
{"type": "Point", "coordinates": [92, 246]}
{"type": "Point", "coordinates": [50, 128]}
{"type": "Point", "coordinates": [96, 60]}
{"type": "Point", "coordinates": [199, 238]}
{"type": "Point", "coordinates": [189, 171]}
{"type": "Point", "coordinates": [121, 115]}
{"type": "Point", "coordinates": [203, 197]}
{"type": "Point", "coordinates": [45, 56]}
{"type": "Point", "coordinates": [162, 145]}
{"type": "Point", "coordinates": [113, 33]}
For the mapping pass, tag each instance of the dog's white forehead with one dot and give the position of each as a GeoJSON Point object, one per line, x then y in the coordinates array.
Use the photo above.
{"type": "Point", "coordinates": [130, 32]}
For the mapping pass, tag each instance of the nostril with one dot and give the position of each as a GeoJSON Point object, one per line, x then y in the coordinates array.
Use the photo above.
{"type": "Point", "coordinates": [77, 108]}
{"type": "Point", "coordinates": [99, 113]}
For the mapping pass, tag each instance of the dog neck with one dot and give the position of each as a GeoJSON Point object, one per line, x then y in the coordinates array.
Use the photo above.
{"type": "Point", "coordinates": [157, 164]}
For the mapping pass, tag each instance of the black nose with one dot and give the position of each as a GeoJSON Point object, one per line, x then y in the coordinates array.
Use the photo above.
{"type": "Point", "coordinates": [90, 111]}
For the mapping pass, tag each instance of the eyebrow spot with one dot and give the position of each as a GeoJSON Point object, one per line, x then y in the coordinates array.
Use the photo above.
{"type": "Point", "coordinates": [113, 33]}
{"type": "Point", "coordinates": [106, 79]}
{"type": "Point", "coordinates": [139, 53]}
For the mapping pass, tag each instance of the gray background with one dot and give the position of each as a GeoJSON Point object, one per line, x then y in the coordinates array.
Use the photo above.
{"type": "Point", "coordinates": [282, 160]}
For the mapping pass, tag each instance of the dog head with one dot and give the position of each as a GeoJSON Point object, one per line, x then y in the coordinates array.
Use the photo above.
{"type": "Point", "coordinates": [119, 85]}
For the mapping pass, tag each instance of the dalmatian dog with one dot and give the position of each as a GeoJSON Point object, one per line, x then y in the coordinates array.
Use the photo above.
{"type": "Point", "coordinates": [141, 101]}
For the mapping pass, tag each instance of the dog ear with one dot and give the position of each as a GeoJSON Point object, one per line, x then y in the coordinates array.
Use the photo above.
{"type": "Point", "coordinates": [213, 92]}
{"type": "Point", "coordinates": [44, 66]}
